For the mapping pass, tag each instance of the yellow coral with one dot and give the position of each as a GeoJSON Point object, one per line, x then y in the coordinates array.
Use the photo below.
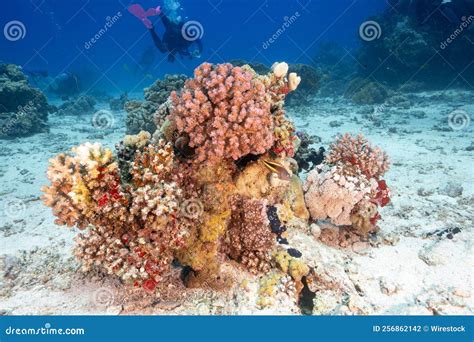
{"type": "Point", "coordinates": [214, 226]}
{"type": "Point", "coordinates": [80, 194]}
{"type": "Point", "coordinates": [292, 266]}
{"type": "Point", "coordinates": [294, 198]}
{"type": "Point", "coordinates": [139, 140]}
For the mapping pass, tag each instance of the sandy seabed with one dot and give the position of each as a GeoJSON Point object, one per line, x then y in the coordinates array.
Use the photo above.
{"type": "Point", "coordinates": [421, 262]}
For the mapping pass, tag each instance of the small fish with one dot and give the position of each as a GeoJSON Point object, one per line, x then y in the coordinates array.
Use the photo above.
{"type": "Point", "coordinates": [277, 168]}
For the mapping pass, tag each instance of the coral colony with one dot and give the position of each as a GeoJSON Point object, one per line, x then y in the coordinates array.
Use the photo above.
{"type": "Point", "coordinates": [216, 181]}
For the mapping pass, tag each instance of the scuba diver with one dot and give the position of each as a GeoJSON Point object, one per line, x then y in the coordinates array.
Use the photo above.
{"type": "Point", "coordinates": [174, 41]}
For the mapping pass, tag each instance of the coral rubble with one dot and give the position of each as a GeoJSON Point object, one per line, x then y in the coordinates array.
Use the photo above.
{"type": "Point", "coordinates": [23, 109]}
{"type": "Point", "coordinates": [215, 184]}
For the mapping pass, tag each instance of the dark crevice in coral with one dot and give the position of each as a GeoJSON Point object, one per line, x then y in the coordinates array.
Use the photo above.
{"type": "Point", "coordinates": [305, 300]}
{"type": "Point", "coordinates": [186, 270]}
{"type": "Point", "coordinates": [182, 149]}
{"type": "Point", "coordinates": [276, 225]}
{"type": "Point", "coordinates": [241, 163]}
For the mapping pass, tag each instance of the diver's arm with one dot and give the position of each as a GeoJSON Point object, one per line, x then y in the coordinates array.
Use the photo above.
{"type": "Point", "coordinates": [166, 22]}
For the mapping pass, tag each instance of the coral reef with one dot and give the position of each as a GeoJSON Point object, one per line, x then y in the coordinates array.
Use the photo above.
{"type": "Point", "coordinates": [250, 238]}
{"type": "Point", "coordinates": [420, 47]}
{"type": "Point", "coordinates": [228, 112]}
{"type": "Point", "coordinates": [259, 68]}
{"type": "Point", "coordinates": [306, 156]}
{"type": "Point", "coordinates": [140, 114]}
{"type": "Point", "coordinates": [118, 103]}
{"type": "Point", "coordinates": [365, 92]}
{"type": "Point", "coordinates": [23, 109]}
{"type": "Point", "coordinates": [215, 185]}
{"type": "Point", "coordinates": [81, 105]}
{"type": "Point", "coordinates": [132, 227]}
{"type": "Point", "coordinates": [66, 85]}
{"type": "Point", "coordinates": [348, 189]}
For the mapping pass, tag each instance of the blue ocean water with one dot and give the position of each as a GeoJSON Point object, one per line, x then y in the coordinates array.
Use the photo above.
{"type": "Point", "coordinates": [56, 35]}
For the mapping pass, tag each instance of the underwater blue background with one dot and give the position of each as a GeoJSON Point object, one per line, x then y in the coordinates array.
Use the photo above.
{"type": "Point", "coordinates": [57, 31]}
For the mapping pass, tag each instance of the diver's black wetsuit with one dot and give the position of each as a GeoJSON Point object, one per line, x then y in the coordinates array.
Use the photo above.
{"type": "Point", "coordinates": [173, 41]}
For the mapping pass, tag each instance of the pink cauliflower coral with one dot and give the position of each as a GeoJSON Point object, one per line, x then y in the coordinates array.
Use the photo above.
{"type": "Point", "coordinates": [348, 190]}
{"type": "Point", "coordinates": [333, 194]}
{"type": "Point", "coordinates": [225, 111]}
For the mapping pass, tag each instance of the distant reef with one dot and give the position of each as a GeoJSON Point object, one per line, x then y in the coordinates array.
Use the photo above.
{"type": "Point", "coordinates": [23, 109]}
{"type": "Point", "coordinates": [141, 114]}
{"type": "Point", "coordinates": [434, 51]}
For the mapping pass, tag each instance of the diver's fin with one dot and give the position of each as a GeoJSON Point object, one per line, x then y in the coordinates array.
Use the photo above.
{"type": "Point", "coordinates": [143, 15]}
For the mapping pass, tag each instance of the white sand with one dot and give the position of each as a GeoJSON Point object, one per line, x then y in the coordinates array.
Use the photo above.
{"type": "Point", "coordinates": [405, 272]}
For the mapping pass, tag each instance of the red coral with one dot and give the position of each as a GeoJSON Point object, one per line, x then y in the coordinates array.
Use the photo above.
{"type": "Point", "coordinates": [382, 197]}
{"type": "Point", "coordinates": [149, 285]}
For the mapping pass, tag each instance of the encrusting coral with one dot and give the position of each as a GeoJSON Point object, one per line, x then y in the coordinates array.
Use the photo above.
{"type": "Point", "coordinates": [215, 183]}
{"type": "Point", "coordinates": [249, 235]}
{"type": "Point", "coordinates": [348, 188]}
